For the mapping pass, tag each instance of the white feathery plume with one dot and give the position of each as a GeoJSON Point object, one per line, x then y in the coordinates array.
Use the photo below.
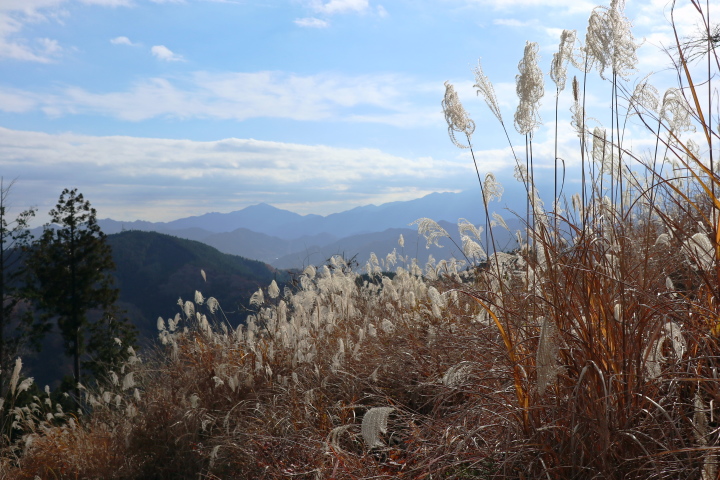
{"type": "Point", "coordinates": [485, 88]}
{"type": "Point", "coordinates": [499, 221]}
{"type": "Point", "coordinates": [273, 289]}
{"type": "Point", "coordinates": [401, 241]}
{"type": "Point", "coordinates": [609, 41]}
{"type": "Point", "coordinates": [457, 374]}
{"type": "Point", "coordinates": [700, 250]}
{"type": "Point", "coordinates": [374, 423]}
{"type": "Point", "coordinates": [676, 112]}
{"type": "Point", "coordinates": [547, 355]}
{"type": "Point", "coordinates": [558, 66]}
{"type": "Point", "coordinates": [334, 435]}
{"type": "Point", "coordinates": [25, 384]}
{"type": "Point", "coordinates": [386, 326]}
{"type": "Point", "coordinates": [492, 189]}
{"type": "Point", "coordinates": [212, 304]}
{"type": "Point", "coordinates": [471, 249]}
{"type": "Point", "coordinates": [15, 376]}
{"type": "Point", "coordinates": [645, 96]}
{"type": "Point", "coordinates": [521, 174]}
{"type": "Point", "coordinates": [430, 230]}
{"type": "Point", "coordinates": [189, 309]}
{"type": "Point", "coordinates": [578, 120]}
{"type": "Point", "coordinates": [310, 270]}
{"type": "Point", "coordinates": [199, 299]}
{"type": "Point", "coordinates": [700, 420]}
{"type": "Point", "coordinates": [128, 381]}
{"type": "Point", "coordinates": [202, 273]}
{"type": "Point", "coordinates": [465, 227]}
{"type": "Point", "coordinates": [654, 352]}
{"type": "Point", "coordinates": [529, 85]}
{"type": "Point", "coordinates": [602, 150]}
{"type": "Point", "coordinates": [456, 117]}
{"type": "Point", "coordinates": [257, 298]}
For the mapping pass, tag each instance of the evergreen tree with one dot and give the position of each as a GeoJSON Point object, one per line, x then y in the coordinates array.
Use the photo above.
{"type": "Point", "coordinates": [71, 265]}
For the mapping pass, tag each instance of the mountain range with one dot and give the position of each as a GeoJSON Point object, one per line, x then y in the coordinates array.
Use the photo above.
{"type": "Point", "coordinates": [288, 240]}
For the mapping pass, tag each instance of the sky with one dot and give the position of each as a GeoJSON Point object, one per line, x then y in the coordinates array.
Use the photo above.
{"type": "Point", "coordinates": [163, 109]}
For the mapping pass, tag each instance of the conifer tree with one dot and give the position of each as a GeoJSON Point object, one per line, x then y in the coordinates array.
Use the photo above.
{"type": "Point", "coordinates": [71, 265]}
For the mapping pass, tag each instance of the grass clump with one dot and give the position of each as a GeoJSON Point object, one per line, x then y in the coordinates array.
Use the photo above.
{"type": "Point", "coordinates": [589, 352]}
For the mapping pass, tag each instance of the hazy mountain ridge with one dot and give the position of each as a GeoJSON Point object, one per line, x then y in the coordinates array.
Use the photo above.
{"type": "Point", "coordinates": [289, 240]}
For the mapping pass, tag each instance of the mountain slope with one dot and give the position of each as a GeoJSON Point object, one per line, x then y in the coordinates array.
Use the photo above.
{"type": "Point", "coordinates": [153, 270]}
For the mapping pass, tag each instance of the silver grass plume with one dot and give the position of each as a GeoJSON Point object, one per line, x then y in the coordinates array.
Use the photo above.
{"type": "Point", "coordinates": [213, 304]}
{"type": "Point", "coordinates": [310, 271]}
{"type": "Point", "coordinates": [465, 227]}
{"type": "Point", "coordinates": [521, 173]}
{"type": "Point", "coordinates": [189, 309]}
{"type": "Point", "coordinates": [456, 117]}
{"type": "Point", "coordinates": [699, 249]}
{"type": "Point", "coordinates": [558, 66]}
{"type": "Point", "coordinates": [485, 88]}
{"type": "Point", "coordinates": [676, 112]}
{"type": "Point", "coordinates": [257, 298]}
{"type": "Point", "coordinates": [430, 230]}
{"type": "Point", "coordinates": [609, 42]}
{"type": "Point", "coordinates": [654, 352]}
{"type": "Point", "coordinates": [578, 120]}
{"type": "Point", "coordinates": [602, 150]}
{"type": "Point", "coordinates": [457, 374]}
{"type": "Point", "coordinates": [546, 359]}
{"type": "Point", "coordinates": [374, 423]}
{"type": "Point", "coordinates": [471, 248]}
{"type": "Point", "coordinates": [577, 203]}
{"type": "Point", "coordinates": [199, 299]}
{"type": "Point", "coordinates": [333, 438]}
{"type": "Point", "coordinates": [645, 96]}
{"type": "Point", "coordinates": [700, 420]}
{"type": "Point", "coordinates": [499, 221]}
{"type": "Point", "coordinates": [273, 289]}
{"type": "Point", "coordinates": [15, 376]}
{"type": "Point", "coordinates": [529, 85]}
{"type": "Point", "coordinates": [492, 189]}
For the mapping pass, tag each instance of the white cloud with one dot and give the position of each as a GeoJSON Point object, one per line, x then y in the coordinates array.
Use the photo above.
{"type": "Point", "coordinates": [108, 3]}
{"type": "Point", "coordinates": [161, 179]}
{"type": "Point", "coordinates": [17, 101]}
{"type": "Point", "coordinates": [340, 6]}
{"type": "Point", "coordinates": [123, 41]}
{"type": "Point", "coordinates": [161, 52]}
{"type": "Point", "coordinates": [382, 12]}
{"type": "Point", "coordinates": [389, 99]}
{"type": "Point", "coordinates": [570, 6]}
{"type": "Point", "coordinates": [511, 22]}
{"type": "Point", "coordinates": [311, 22]}
{"type": "Point", "coordinates": [16, 14]}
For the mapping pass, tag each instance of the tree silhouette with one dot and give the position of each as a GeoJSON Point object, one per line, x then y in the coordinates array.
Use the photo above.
{"type": "Point", "coordinates": [71, 264]}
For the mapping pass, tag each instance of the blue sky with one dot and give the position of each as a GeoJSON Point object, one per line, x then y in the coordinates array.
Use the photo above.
{"type": "Point", "coordinates": [157, 110]}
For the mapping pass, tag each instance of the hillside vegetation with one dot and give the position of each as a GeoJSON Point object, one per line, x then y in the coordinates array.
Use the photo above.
{"type": "Point", "coordinates": [589, 352]}
{"type": "Point", "coordinates": [153, 270]}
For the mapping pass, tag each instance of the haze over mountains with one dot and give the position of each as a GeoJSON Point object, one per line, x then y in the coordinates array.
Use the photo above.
{"type": "Point", "coordinates": [288, 240]}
